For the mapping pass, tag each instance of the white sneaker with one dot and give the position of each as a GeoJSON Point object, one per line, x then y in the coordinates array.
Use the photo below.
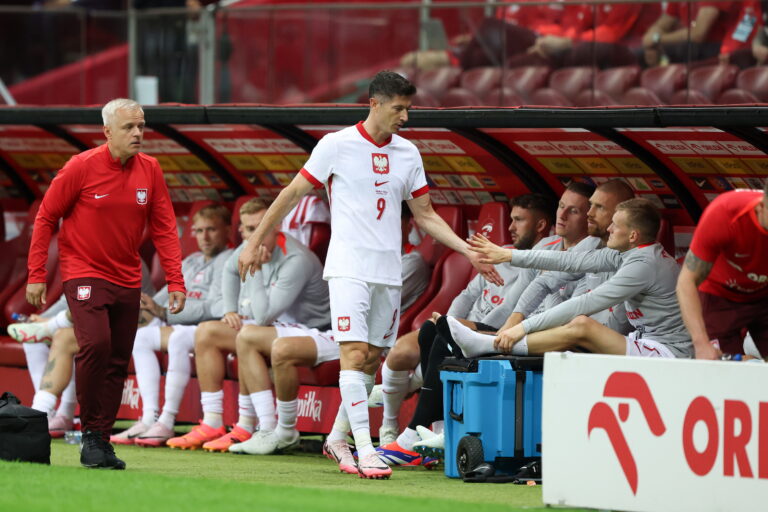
{"type": "Point", "coordinates": [30, 332]}
{"type": "Point", "coordinates": [266, 443]}
{"type": "Point", "coordinates": [424, 433]}
{"type": "Point", "coordinates": [129, 436]}
{"type": "Point", "coordinates": [376, 398]}
{"type": "Point", "coordinates": [387, 435]}
{"type": "Point", "coordinates": [431, 447]}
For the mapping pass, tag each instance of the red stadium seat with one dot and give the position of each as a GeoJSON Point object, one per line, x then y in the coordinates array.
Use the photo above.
{"type": "Point", "coordinates": [454, 276]}
{"type": "Point", "coordinates": [492, 222]}
{"type": "Point", "coordinates": [550, 97]}
{"type": "Point", "coordinates": [429, 248]}
{"type": "Point", "coordinates": [437, 81]}
{"type": "Point", "coordinates": [641, 96]}
{"type": "Point", "coordinates": [15, 253]}
{"type": "Point", "coordinates": [690, 97]}
{"type": "Point", "coordinates": [593, 97]}
{"type": "Point", "coordinates": [736, 96]}
{"type": "Point", "coordinates": [319, 239]}
{"type": "Point", "coordinates": [754, 80]}
{"type": "Point", "coordinates": [571, 81]}
{"type": "Point", "coordinates": [424, 99]}
{"type": "Point", "coordinates": [713, 80]}
{"type": "Point", "coordinates": [480, 80]}
{"type": "Point", "coordinates": [458, 97]}
{"type": "Point", "coordinates": [502, 97]}
{"type": "Point", "coordinates": [526, 79]}
{"type": "Point", "coordinates": [616, 81]}
{"type": "Point", "coordinates": [663, 81]}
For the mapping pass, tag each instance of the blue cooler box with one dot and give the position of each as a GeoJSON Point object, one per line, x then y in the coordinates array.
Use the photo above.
{"type": "Point", "coordinates": [498, 402]}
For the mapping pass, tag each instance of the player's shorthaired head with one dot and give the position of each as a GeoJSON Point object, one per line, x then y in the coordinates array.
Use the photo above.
{"type": "Point", "coordinates": [386, 85]}
{"type": "Point", "coordinates": [635, 222]}
{"type": "Point", "coordinates": [123, 127]}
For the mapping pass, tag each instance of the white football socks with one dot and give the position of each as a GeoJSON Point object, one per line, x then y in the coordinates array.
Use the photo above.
{"type": "Point", "coordinates": [213, 408]}
{"type": "Point", "coordinates": [286, 418]}
{"type": "Point", "coordinates": [472, 343]}
{"type": "Point", "coordinates": [264, 405]}
{"type": "Point", "coordinates": [60, 321]}
{"type": "Point", "coordinates": [37, 359]}
{"type": "Point", "coordinates": [246, 415]}
{"type": "Point", "coordinates": [45, 401]}
{"type": "Point", "coordinates": [146, 343]}
{"type": "Point", "coordinates": [394, 388]}
{"type": "Point", "coordinates": [354, 399]}
{"type": "Point", "coordinates": [68, 399]}
{"type": "Point", "coordinates": [180, 345]}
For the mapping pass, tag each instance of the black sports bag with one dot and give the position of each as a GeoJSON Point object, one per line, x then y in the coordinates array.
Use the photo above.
{"type": "Point", "coordinates": [23, 432]}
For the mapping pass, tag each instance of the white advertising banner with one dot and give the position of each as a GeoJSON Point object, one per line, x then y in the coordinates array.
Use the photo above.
{"type": "Point", "coordinates": [630, 433]}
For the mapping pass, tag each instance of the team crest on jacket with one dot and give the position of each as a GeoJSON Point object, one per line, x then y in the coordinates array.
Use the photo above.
{"type": "Point", "coordinates": [83, 292]}
{"type": "Point", "coordinates": [141, 196]}
{"type": "Point", "coordinates": [380, 163]}
{"type": "Point", "coordinates": [343, 324]}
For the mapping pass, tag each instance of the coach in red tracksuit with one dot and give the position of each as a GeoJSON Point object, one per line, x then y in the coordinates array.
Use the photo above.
{"type": "Point", "coordinates": [107, 196]}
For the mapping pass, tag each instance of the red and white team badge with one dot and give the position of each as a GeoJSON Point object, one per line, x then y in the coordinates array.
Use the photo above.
{"type": "Point", "coordinates": [380, 163]}
{"type": "Point", "coordinates": [343, 324]}
{"type": "Point", "coordinates": [141, 196]}
{"type": "Point", "coordinates": [83, 292]}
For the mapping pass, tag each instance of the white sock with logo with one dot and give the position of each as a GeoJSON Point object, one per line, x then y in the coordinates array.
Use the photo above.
{"type": "Point", "coordinates": [394, 388]}
{"type": "Point", "coordinates": [246, 415]}
{"type": "Point", "coordinates": [177, 377]}
{"type": "Point", "coordinates": [60, 321]}
{"type": "Point", "coordinates": [68, 400]}
{"type": "Point", "coordinates": [45, 401]}
{"type": "Point", "coordinates": [37, 360]}
{"type": "Point", "coordinates": [286, 419]}
{"type": "Point", "coordinates": [472, 343]}
{"type": "Point", "coordinates": [213, 407]}
{"type": "Point", "coordinates": [408, 438]}
{"type": "Point", "coordinates": [146, 343]}
{"type": "Point", "coordinates": [354, 398]}
{"type": "Point", "coordinates": [264, 405]}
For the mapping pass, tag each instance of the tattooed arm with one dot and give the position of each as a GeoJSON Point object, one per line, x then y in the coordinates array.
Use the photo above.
{"type": "Point", "coordinates": [694, 272]}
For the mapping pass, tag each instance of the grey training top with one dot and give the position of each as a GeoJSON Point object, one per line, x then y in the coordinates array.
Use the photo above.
{"type": "Point", "coordinates": [480, 297]}
{"type": "Point", "coordinates": [645, 279]}
{"type": "Point", "coordinates": [525, 277]}
{"type": "Point", "coordinates": [203, 282]}
{"type": "Point", "coordinates": [289, 288]}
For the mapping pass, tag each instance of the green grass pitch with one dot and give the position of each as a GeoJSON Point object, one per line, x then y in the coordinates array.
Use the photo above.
{"type": "Point", "coordinates": [169, 480]}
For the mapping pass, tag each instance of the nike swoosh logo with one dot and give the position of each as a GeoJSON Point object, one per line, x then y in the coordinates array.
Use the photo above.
{"type": "Point", "coordinates": [380, 183]}
{"type": "Point", "coordinates": [388, 336]}
{"type": "Point", "coordinates": [357, 403]}
{"type": "Point", "coordinates": [97, 196]}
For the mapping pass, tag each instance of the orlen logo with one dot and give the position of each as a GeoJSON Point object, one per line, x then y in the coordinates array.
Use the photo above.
{"type": "Point", "coordinates": [627, 385]}
{"type": "Point", "coordinates": [130, 394]}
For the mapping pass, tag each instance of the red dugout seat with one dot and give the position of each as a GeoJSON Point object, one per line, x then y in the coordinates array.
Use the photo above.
{"type": "Point", "coordinates": [16, 252]}
{"type": "Point", "coordinates": [550, 97]}
{"type": "Point", "coordinates": [454, 276]}
{"type": "Point", "coordinates": [593, 97]}
{"type": "Point", "coordinates": [502, 97]}
{"type": "Point", "coordinates": [736, 96]}
{"type": "Point", "coordinates": [755, 81]}
{"type": "Point", "coordinates": [526, 79]}
{"type": "Point", "coordinates": [663, 81]}
{"type": "Point", "coordinates": [458, 97]}
{"type": "Point", "coordinates": [424, 99]}
{"type": "Point", "coordinates": [480, 80]}
{"type": "Point", "coordinates": [641, 96]}
{"type": "Point", "coordinates": [690, 97]}
{"type": "Point", "coordinates": [571, 81]}
{"type": "Point", "coordinates": [711, 81]}
{"type": "Point", "coordinates": [616, 81]}
{"type": "Point", "coordinates": [437, 81]}
{"type": "Point", "coordinates": [492, 222]}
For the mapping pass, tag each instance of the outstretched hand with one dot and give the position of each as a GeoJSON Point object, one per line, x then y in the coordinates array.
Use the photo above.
{"type": "Point", "coordinates": [489, 252]}
{"type": "Point", "coordinates": [488, 271]}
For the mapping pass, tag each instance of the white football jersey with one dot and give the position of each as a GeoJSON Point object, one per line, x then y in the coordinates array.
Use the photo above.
{"type": "Point", "coordinates": [366, 184]}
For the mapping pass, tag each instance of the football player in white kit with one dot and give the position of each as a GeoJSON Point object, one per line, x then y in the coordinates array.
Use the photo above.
{"type": "Point", "coordinates": [368, 171]}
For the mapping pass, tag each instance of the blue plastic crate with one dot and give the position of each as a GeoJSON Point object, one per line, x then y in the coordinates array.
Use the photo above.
{"type": "Point", "coordinates": [499, 402]}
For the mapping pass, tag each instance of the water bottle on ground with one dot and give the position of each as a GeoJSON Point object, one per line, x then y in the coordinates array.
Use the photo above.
{"type": "Point", "coordinates": [73, 436]}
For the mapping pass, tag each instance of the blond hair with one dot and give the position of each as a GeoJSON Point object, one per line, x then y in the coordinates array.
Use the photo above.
{"type": "Point", "coordinates": [254, 205]}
